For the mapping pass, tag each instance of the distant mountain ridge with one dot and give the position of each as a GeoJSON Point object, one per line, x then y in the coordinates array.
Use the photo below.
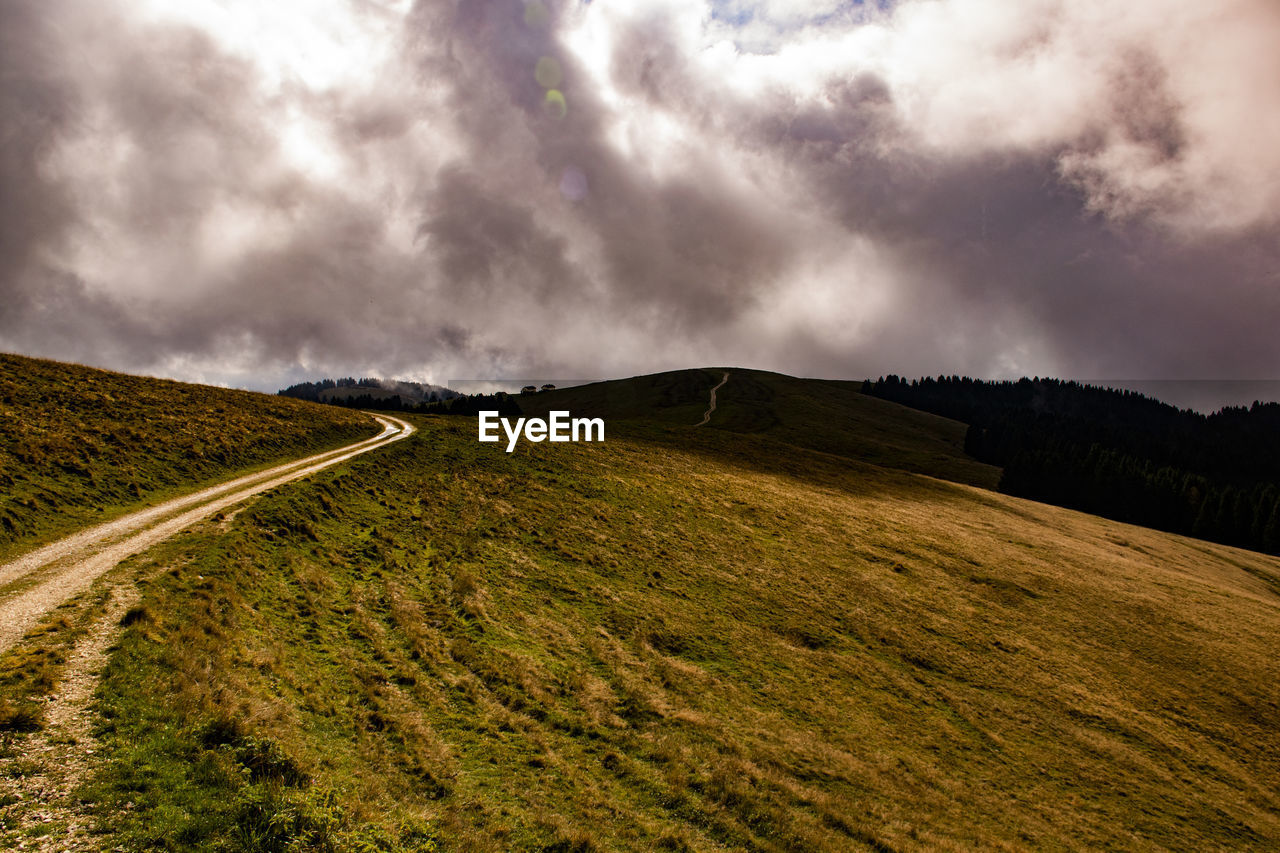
{"type": "Point", "coordinates": [353, 392]}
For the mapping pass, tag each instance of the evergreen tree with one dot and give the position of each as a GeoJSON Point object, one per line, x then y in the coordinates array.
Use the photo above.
{"type": "Point", "coordinates": [1271, 535]}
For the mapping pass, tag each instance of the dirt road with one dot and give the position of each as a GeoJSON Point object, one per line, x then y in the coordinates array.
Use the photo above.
{"type": "Point", "coordinates": [35, 583]}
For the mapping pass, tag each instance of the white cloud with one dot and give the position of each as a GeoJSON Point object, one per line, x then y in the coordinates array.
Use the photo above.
{"type": "Point", "coordinates": [332, 183]}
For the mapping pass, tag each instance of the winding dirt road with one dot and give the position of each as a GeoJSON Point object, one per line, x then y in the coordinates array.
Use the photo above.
{"type": "Point", "coordinates": [37, 582]}
{"type": "Point", "coordinates": [706, 417]}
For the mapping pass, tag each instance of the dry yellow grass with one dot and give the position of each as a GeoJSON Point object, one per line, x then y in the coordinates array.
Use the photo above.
{"type": "Point", "coordinates": [681, 640]}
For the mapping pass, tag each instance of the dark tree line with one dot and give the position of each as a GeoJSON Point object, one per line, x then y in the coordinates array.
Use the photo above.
{"type": "Point", "coordinates": [1118, 454]}
{"type": "Point", "coordinates": [392, 396]}
{"type": "Point", "coordinates": [311, 390]}
{"type": "Point", "coordinates": [463, 404]}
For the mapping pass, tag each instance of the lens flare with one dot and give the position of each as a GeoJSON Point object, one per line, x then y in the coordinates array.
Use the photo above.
{"type": "Point", "coordinates": [548, 73]}
{"type": "Point", "coordinates": [555, 104]}
{"type": "Point", "coordinates": [536, 15]}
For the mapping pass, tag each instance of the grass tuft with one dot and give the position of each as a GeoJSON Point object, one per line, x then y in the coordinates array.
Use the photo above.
{"type": "Point", "coordinates": [137, 613]}
{"type": "Point", "coordinates": [20, 717]}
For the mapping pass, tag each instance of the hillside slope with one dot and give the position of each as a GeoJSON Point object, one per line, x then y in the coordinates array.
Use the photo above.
{"type": "Point", "coordinates": [817, 414]}
{"type": "Point", "coordinates": [79, 446]}
{"type": "Point", "coordinates": [696, 645]}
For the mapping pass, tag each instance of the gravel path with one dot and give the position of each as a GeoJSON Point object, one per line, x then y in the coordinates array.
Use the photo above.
{"type": "Point", "coordinates": [39, 581]}
{"type": "Point", "coordinates": [38, 782]}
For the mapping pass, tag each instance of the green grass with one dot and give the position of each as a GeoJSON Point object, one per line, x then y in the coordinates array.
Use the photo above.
{"type": "Point", "coordinates": [688, 639]}
{"type": "Point", "coordinates": [33, 669]}
{"type": "Point", "coordinates": [79, 446]}
{"type": "Point", "coordinates": [816, 414]}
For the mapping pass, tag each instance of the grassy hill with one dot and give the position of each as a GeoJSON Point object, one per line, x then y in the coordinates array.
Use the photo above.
{"type": "Point", "coordinates": [79, 446]}
{"type": "Point", "coordinates": [816, 414]}
{"type": "Point", "coordinates": [688, 639]}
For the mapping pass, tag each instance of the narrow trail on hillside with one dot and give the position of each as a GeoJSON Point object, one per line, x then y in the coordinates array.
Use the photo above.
{"type": "Point", "coordinates": [38, 781]}
{"type": "Point", "coordinates": [706, 417]}
{"type": "Point", "coordinates": [37, 582]}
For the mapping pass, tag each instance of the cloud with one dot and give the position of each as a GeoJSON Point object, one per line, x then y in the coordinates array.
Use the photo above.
{"type": "Point", "coordinates": [233, 193]}
{"type": "Point", "coordinates": [37, 106]}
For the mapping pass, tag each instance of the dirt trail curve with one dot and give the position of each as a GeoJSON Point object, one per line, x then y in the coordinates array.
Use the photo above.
{"type": "Point", "coordinates": [39, 581]}
{"type": "Point", "coordinates": [706, 417]}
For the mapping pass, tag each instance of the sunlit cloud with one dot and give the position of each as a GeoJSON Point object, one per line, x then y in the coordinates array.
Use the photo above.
{"type": "Point", "coordinates": [250, 192]}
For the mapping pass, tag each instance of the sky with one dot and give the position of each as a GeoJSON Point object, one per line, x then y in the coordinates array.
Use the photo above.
{"type": "Point", "coordinates": [255, 194]}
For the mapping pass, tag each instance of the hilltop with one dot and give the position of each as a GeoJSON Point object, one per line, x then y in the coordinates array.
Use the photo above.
{"type": "Point", "coordinates": [815, 414]}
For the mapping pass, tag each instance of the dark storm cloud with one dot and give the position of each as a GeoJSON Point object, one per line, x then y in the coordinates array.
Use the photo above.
{"type": "Point", "coordinates": [681, 250]}
{"type": "Point", "coordinates": [191, 133]}
{"type": "Point", "coordinates": [983, 243]}
{"type": "Point", "coordinates": [482, 242]}
{"type": "Point", "coordinates": [975, 188]}
{"type": "Point", "coordinates": [36, 103]}
{"type": "Point", "coordinates": [989, 242]}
